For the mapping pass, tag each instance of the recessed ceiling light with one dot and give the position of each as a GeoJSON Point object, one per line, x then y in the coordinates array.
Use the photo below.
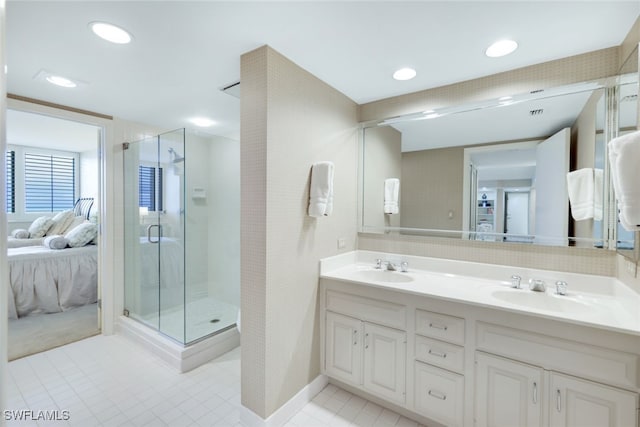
{"type": "Point", "coordinates": [404, 74]}
{"type": "Point", "coordinates": [60, 81]}
{"type": "Point", "coordinates": [501, 48]}
{"type": "Point", "coordinates": [110, 32]}
{"type": "Point", "coordinates": [202, 122]}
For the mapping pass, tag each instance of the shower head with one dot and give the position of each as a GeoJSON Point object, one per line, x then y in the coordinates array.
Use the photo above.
{"type": "Point", "coordinates": [176, 157]}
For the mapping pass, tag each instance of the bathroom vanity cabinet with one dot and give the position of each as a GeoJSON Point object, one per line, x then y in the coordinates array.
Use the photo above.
{"type": "Point", "coordinates": [463, 365]}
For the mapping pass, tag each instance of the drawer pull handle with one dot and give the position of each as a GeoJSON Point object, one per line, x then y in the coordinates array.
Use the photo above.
{"type": "Point", "coordinates": [437, 395]}
{"type": "Point", "coordinates": [437, 326]}
{"type": "Point", "coordinates": [535, 393]}
{"type": "Point", "coordinates": [558, 400]}
{"type": "Point", "coordinates": [437, 353]}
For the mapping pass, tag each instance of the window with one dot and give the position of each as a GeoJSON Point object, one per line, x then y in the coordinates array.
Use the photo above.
{"type": "Point", "coordinates": [10, 192]}
{"type": "Point", "coordinates": [150, 188]}
{"type": "Point", "coordinates": [49, 182]}
{"type": "Point", "coordinates": [40, 181]}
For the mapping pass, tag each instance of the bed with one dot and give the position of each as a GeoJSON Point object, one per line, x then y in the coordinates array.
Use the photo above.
{"type": "Point", "coordinates": [43, 280]}
{"type": "Point", "coordinates": [12, 242]}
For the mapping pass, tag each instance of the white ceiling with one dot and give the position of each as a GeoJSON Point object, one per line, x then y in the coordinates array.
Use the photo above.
{"type": "Point", "coordinates": [183, 52]}
{"type": "Point", "coordinates": [503, 123]}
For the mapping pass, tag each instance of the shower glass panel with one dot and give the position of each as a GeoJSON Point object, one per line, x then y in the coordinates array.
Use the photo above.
{"type": "Point", "coordinates": [182, 233]}
{"type": "Point", "coordinates": [171, 230]}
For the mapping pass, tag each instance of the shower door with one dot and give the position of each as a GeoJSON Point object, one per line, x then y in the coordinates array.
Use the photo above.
{"type": "Point", "coordinates": [154, 232]}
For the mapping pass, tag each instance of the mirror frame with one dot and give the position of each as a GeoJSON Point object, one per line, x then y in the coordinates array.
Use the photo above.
{"type": "Point", "coordinates": [609, 84]}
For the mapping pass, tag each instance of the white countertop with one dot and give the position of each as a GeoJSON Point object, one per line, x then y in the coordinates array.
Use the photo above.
{"type": "Point", "coordinates": [596, 301]}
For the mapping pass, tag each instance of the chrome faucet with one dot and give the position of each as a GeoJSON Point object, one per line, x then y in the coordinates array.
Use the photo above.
{"type": "Point", "coordinates": [561, 287]}
{"type": "Point", "coordinates": [390, 266]}
{"type": "Point", "coordinates": [404, 266]}
{"type": "Point", "coordinates": [537, 285]}
{"type": "Point", "coordinates": [515, 281]}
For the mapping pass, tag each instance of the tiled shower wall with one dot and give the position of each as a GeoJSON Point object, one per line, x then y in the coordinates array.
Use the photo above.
{"type": "Point", "coordinates": [290, 119]}
{"type": "Point", "coordinates": [589, 66]}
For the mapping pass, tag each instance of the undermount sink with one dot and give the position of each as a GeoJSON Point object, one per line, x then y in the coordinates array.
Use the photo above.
{"type": "Point", "coordinates": [383, 276]}
{"type": "Point", "coordinates": [541, 301]}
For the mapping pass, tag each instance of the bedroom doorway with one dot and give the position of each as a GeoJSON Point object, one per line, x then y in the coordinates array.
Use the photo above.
{"type": "Point", "coordinates": [53, 199]}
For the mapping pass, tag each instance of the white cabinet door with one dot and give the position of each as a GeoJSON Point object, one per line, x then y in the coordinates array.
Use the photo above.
{"type": "Point", "coordinates": [508, 393]}
{"type": "Point", "coordinates": [581, 403]}
{"type": "Point", "coordinates": [385, 362]}
{"type": "Point", "coordinates": [343, 356]}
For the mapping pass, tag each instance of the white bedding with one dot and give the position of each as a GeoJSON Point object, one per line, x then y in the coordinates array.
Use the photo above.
{"type": "Point", "coordinates": [21, 243]}
{"type": "Point", "coordinates": [45, 280]}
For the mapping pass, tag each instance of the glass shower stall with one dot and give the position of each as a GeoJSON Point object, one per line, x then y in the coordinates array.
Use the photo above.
{"type": "Point", "coordinates": [182, 233]}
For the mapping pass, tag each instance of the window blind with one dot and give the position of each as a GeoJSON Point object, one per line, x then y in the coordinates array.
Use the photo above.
{"type": "Point", "coordinates": [10, 192]}
{"type": "Point", "coordinates": [150, 188]}
{"type": "Point", "coordinates": [49, 182]}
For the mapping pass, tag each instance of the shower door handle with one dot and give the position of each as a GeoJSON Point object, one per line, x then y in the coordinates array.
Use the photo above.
{"type": "Point", "coordinates": [149, 233]}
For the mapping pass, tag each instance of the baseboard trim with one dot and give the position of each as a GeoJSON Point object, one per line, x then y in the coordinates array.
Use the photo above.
{"type": "Point", "coordinates": [288, 410]}
{"type": "Point", "coordinates": [182, 358]}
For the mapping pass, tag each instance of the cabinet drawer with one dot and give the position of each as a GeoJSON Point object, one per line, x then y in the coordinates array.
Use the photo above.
{"type": "Point", "coordinates": [440, 326]}
{"type": "Point", "coordinates": [440, 353]}
{"type": "Point", "coordinates": [439, 394]}
{"type": "Point", "coordinates": [368, 309]}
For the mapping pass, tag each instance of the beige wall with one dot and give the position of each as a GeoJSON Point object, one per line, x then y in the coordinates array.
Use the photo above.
{"type": "Point", "coordinates": [629, 49]}
{"type": "Point", "coordinates": [289, 120]}
{"type": "Point", "coordinates": [574, 69]}
{"type": "Point", "coordinates": [432, 187]}
{"type": "Point", "coordinates": [382, 157]}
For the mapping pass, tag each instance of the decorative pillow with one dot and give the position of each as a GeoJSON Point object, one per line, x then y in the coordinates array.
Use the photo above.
{"type": "Point", "coordinates": [55, 241]}
{"type": "Point", "coordinates": [81, 235]}
{"type": "Point", "coordinates": [76, 221]}
{"type": "Point", "coordinates": [61, 222]}
{"type": "Point", "coordinates": [40, 226]}
{"type": "Point", "coordinates": [20, 233]}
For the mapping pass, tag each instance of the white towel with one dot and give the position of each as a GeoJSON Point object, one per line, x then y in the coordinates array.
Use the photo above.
{"type": "Point", "coordinates": [624, 157]}
{"type": "Point", "coordinates": [321, 190]}
{"type": "Point", "coordinates": [581, 193]}
{"type": "Point", "coordinates": [391, 192]}
{"type": "Point", "coordinates": [55, 241]}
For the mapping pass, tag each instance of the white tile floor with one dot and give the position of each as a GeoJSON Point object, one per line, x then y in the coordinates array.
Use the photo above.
{"type": "Point", "coordinates": [108, 381]}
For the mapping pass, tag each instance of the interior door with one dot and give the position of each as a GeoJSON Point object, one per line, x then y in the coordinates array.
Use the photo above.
{"type": "Point", "coordinates": [552, 198]}
{"type": "Point", "coordinates": [516, 215]}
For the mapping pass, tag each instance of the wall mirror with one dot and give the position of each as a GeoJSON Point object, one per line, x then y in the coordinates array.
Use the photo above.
{"type": "Point", "coordinates": [627, 242]}
{"type": "Point", "coordinates": [497, 170]}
